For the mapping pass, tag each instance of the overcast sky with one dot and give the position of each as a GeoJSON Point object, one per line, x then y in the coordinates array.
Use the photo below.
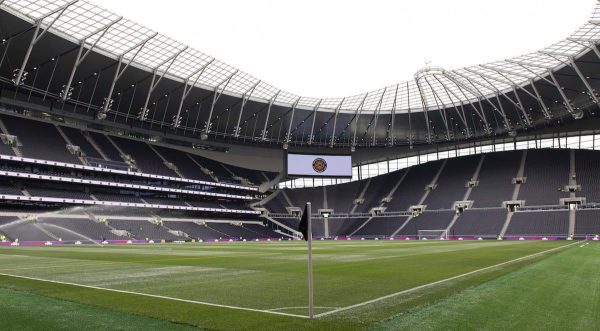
{"type": "Point", "coordinates": [319, 48]}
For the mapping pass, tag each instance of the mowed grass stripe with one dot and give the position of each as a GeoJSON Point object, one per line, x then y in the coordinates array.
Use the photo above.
{"type": "Point", "coordinates": [561, 292]}
{"type": "Point", "coordinates": [154, 296]}
{"type": "Point", "coordinates": [256, 282]}
{"type": "Point", "coordinates": [44, 313]}
{"type": "Point", "coordinates": [442, 281]}
{"type": "Point", "coordinates": [284, 287]}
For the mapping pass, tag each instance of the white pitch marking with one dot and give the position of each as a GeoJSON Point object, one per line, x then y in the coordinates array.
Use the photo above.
{"type": "Point", "coordinates": [302, 307]}
{"type": "Point", "coordinates": [157, 296]}
{"type": "Point", "coordinates": [438, 282]}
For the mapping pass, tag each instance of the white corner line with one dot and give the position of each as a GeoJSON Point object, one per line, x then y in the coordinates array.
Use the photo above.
{"type": "Point", "coordinates": [440, 281]}
{"type": "Point", "coordinates": [158, 296]}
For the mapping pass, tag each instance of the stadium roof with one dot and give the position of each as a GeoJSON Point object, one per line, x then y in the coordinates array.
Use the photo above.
{"type": "Point", "coordinates": [432, 88]}
{"type": "Point", "coordinates": [108, 70]}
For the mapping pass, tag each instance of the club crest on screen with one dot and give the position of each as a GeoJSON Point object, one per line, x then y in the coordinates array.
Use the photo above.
{"type": "Point", "coordinates": [319, 165]}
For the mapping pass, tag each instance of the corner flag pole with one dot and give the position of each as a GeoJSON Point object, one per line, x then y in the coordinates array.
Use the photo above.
{"type": "Point", "coordinates": [310, 264]}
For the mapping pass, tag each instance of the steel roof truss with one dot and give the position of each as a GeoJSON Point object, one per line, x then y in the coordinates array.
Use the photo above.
{"type": "Point", "coordinates": [187, 89]}
{"type": "Point", "coordinates": [245, 99]}
{"type": "Point", "coordinates": [335, 117]}
{"type": "Point", "coordinates": [120, 71]}
{"type": "Point", "coordinates": [314, 117]}
{"type": "Point", "coordinates": [216, 96]}
{"type": "Point", "coordinates": [81, 56]}
{"type": "Point", "coordinates": [264, 131]}
{"type": "Point", "coordinates": [461, 113]}
{"type": "Point", "coordinates": [154, 83]}
{"type": "Point", "coordinates": [37, 36]}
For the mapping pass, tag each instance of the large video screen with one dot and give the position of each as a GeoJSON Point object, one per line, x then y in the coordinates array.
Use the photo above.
{"type": "Point", "coordinates": [314, 165]}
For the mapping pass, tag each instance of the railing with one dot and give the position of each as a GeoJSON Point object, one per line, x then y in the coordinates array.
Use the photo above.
{"type": "Point", "coordinates": [123, 172]}
{"type": "Point", "coordinates": [11, 197]}
{"type": "Point", "coordinates": [118, 185]}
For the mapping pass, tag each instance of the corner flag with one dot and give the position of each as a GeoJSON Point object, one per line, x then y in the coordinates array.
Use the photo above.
{"type": "Point", "coordinates": [303, 226]}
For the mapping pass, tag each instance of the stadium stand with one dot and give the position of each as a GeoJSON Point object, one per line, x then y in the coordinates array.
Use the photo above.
{"type": "Point", "coordinates": [78, 139]}
{"type": "Point", "coordinates": [413, 187]}
{"type": "Point", "coordinates": [194, 231]}
{"type": "Point", "coordinates": [379, 226]}
{"type": "Point", "coordinates": [587, 164]}
{"type": "Point", "coordinates": [343, 226]}
{"type": "Point", "coordinates": [588, 222]}
{"type": "Point", "coordinates": [7, 219]}
{"type": "Point", "coordinates": [25, 231]}
{"type": "Point", "coordinates": [341, 197]}
{"type": "Point", "coordinates": [277, 204]}
{"type": "Point", "coordinates": [547, 173]}
{"type": "Point", "coordinates": [495, 179]}
{"type": "Point", "coordinates": [108, 149]}
{"type": "Point", "coordinates": [83, 226]}
{"type": "Point", "coordinates": [45, 144]}
{"type": "Point", "coordinates": [480, 222]}
{"type": "Point", "coordinates": [313, 195]}
{"type": "Point", "coordinates": [121, 147]}
{"type": "Point", "coordinates": [378, 188]}
{"type": "Point", "coordinates": [428, 220]}
{"type": "Point", "coordinates": [452, 182]}
{"type": "Point", "coordinates": [8, 188]}
{"type": "Point", "coordinates": [184, 165]}
{"type": "Point", "coordinates": [143, 229]}
{"type": "Point", "coordinates": [69, 193]}
{"type": "Point", "coordinates": [539, 223]}
{"type": "Point", "coordinates": [5, 149]}
{"type": "Point", "coordinates": [146, 160]}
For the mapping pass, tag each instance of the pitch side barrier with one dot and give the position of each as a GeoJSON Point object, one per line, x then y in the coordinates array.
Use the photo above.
{"type": "Point", "coordinates": [236, 240]}
{"type": "Point", "coordinates": [136, 242]}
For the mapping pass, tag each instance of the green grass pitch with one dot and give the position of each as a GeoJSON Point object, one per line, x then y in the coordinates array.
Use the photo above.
{"type": "Point", "coordinates": [359, 285]}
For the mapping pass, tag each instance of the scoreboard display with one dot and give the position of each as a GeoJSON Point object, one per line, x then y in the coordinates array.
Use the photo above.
{"type": "Point", "coordinates": [318, 165]}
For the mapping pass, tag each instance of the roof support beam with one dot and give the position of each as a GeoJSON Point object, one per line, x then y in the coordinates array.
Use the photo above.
{"type": "Point", "coordinates": [591, 91]}
{"type": "Point", "coordinates": [390, 133]}
{"type": "Point", "coordinates": [410, 133]}
{"type": "Point", "coordinates": [288, 136]}
{"type": "Point", "coordinates": [595, 49]}
{"type": "Point", "coordinates": [356, 118]}
{"type": "Point", "coordinates": [375, 116]}
{"type": "Point", "coordinates": [119, 72]}
{"type": "Point", "coordinates": [335, 117]}
{"type": "Point", "coordinates": [154, 83]}
{"type": "Point", "coordinates": [216, 96]}
{"type": "Point", "coordinates": [245, 99]}
{"type": "Point", "coordinates": [461, 112]}
{"type": "Point", "coordinates": [81, 56]}
{"type": "Point", "coordinates": [263, 136]}
{"type": "Point", "coordinates": [527, 66]}
{"type": "Point", "coordinates": [567, 102]}
{"type": "Point", "coordinates": [429, 137]}
{"type": "Point", "coordinates": [572, 64]}
{"type": "Point", "coordinates": [18, 80]}
{"type": "Point", "coordinates": [441, 108]}
{"type": "Point", "coordinates": [537, 96]}
{"type": "Point", "coordinates": [187, 89]}
{"type": "Point", "coordinates": [480, 112]}
{"type": "Point", "coordinates": [498, 92]}
{"type": "Point", "coordinates": [545, 109]}
{"type": "Point", "coordinates": [314, 118]}
{"type": "Point", "coordinates": [518, 104]}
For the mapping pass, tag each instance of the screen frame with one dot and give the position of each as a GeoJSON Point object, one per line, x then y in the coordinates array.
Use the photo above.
{"type": "Point", "coordinates": [287, 175]}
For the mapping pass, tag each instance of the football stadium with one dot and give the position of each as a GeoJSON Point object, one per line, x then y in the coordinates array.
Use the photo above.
{"type": "Point", "coordinates": [147, 185]}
